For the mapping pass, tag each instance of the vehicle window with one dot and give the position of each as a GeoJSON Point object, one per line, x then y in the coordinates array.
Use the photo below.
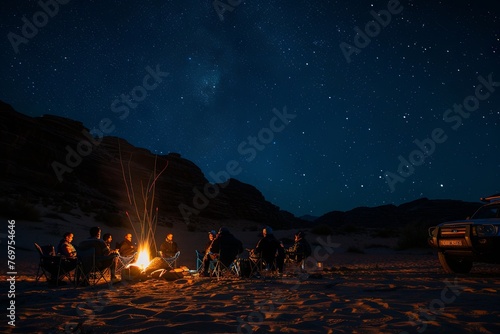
{"type": "Point", "coordinates": [487, 212]}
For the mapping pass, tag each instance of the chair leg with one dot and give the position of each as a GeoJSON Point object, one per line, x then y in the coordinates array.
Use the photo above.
{"type": "Point", "coordinates": [256, 267]}
{"type": "Point", "coordinates": [235, 268]}
{"type": "Point", "coordinates": [80, 277]}
{"type": "Point", "coordinates": [39, 273]}
{"type": "Point", "coordinates": [61, 275]}
{"type": "Point", "coordinates": [220, 270]}
{"type": "Point", "coordinates": [216, 270]}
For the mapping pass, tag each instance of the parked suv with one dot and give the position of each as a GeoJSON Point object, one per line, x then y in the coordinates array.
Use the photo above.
{"type": "Point", "coordinates": [475, 239]}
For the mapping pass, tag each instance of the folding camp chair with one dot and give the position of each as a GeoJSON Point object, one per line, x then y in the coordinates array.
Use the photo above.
{"type": "Point", "coordinates": [294, 263]}
{"type": "Point", "coordinates": [55, 268]}
{"type": "Point", "coordinates": [92, 269]}
{"type": "Point", "coordinates": [171, 261]}
{"type": "Point", "coordinates": [261, 268]}
{"type": "Point", "coordinates": [256, 266]}
{"type": "Point", "coordinates": [221, 270]}
{"type": "Point", "coordinates": [123, 263]}
{"type": "Point", "coordinates": [46, 265]}
{"type": "Point", "coordinates": [200, 264]}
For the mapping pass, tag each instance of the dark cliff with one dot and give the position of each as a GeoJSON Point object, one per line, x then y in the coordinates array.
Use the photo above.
{"type": "Point", "coordinates": [55, 161]}
{"type": "Point", "coordinates": [419, 212]}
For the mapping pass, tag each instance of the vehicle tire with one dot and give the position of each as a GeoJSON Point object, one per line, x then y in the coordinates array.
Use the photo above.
{"type": "Point", "coordinates": [454, 265]}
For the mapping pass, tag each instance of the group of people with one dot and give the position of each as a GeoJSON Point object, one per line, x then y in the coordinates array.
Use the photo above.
{"type": "Point", "coordinates": [269, 250]}
{"type": "Point", "coordinates": [223, 246]}
{"type": "Point", "coordinates": [124, 248]}
{"type": "Point", "coordinates": [273, 252]}
{"type": "Point", "coordinates": [105, 254]}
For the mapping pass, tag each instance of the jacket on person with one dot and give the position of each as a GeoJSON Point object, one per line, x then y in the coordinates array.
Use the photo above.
{"type": "Point", "coordinates": [300, 250]}
{"type": "Point", "coordinates": [168, 248]}
{"type": "Point", "coordinates": [95, 247]}
{"type": "Point", "coordinates": [67, 249]}
{"type": "Point", "coordinates": [126, 248]}
{"type": "Point", "coordinates": [268, 247]}
{"type": "Point", "coordinates": [227, 246]}
{"type": "Point", "coordinates": [98, 245]}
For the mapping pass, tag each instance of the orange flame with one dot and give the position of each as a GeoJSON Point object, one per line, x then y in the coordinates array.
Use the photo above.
{"type": "Point", "coordinates": [143, 259]}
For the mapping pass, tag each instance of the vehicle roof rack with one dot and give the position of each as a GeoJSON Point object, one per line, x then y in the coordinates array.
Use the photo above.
{"type": "Point", "coordinates": [492, 198]}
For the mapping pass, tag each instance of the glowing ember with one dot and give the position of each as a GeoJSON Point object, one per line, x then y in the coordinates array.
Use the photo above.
{"type": "Point", "coordinates": [143, 259]}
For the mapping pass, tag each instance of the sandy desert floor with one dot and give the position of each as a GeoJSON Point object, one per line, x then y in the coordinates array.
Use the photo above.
{"type": "Point", "coordinates": [382, 292]}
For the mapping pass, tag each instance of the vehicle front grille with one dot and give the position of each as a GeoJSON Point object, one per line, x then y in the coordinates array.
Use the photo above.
{"type": "Point", "coordinates": [453, 231]}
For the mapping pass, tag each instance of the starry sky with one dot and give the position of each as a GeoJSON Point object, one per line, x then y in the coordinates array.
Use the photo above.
{"type": "Point", "coordinates": [325, 105]}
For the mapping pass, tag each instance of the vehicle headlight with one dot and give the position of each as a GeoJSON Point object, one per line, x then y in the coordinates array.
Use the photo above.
{"type": "Point", "coordinates": [486, 230]}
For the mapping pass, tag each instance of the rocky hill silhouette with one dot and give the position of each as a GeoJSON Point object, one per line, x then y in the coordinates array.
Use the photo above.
{"type": "Point", "coordinates": [422, 212]}
{"type": "Point", "coordinates": [55, 161]}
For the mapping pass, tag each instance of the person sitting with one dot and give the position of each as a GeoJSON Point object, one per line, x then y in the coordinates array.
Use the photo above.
{"type": "Point", "coordinates": [126, 247]}
{"type": "Point", "coordinates": [68, 252]}
{"type": "Point", "coordinates": [104, 256]}
{"type": "Point", "coordinates": [201, 254]}
{"type": "Point", "coordinates": [211, 236]}
{"type": "Point", "coordinates": [269, 249]}
{"type": "Point", "coordinates": [66, 247]}
{"type": "Point", "coordinates": [107, 238]}
{"type": "Point", "coordinates": [226, 246]}
{"type": "Point", "coordinates": [300, 249]}
{"type": "Point", "coordinates": [169, 247]}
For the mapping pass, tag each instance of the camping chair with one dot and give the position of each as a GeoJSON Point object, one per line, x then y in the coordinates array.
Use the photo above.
{"type": "Point", "coordinates": [260, 267]}
{"type": "Point", "coordinates": [55, 268]}
{"type": "Point", "coordinates": [92, 269]}
{"type": "Point", "coordinates": [123, 263]}
{"type": "Point", "coordinates": [294, 263]}
{"type": "Point", "coordinates": [171, 261]}
{"type": "Point", "coordinates": [256, 265]}
{"type": "Point", "coordinates": [221, 270]}
{"type": "Point", "coordinates": [200, 262]}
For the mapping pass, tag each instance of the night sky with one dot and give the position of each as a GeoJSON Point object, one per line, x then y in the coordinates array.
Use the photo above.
{"type": "Point", "coordinates": [323, 109]}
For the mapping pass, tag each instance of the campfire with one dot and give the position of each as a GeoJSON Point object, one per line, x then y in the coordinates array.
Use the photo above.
{"type": "Point", "coordinates": [143, 258]}
{"type": "Point", "coordinates": [144, 266]}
